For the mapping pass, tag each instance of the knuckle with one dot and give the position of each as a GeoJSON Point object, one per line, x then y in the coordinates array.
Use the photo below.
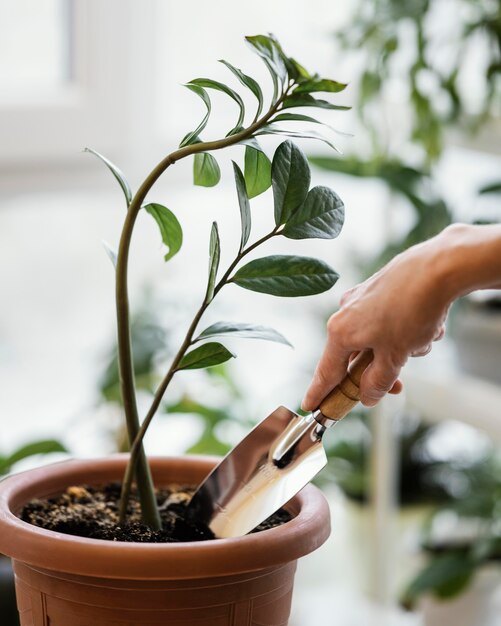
{"type": "Point", "coordinates": [338, 328]}
{"type": "Point", "coordinates": [456, 229]}
{"type": "Point", "coordinates": [346, 296]}
{"type": "Point", "coordinates": [380, 386]}
{"type": "Point", "coordinates": [333, 324]}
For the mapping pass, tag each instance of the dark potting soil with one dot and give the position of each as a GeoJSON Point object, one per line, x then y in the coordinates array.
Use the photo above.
{"type": "Point", "coordinates": [92, 512]}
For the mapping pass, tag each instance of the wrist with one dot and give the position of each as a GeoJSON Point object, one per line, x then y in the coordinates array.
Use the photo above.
{"type": "Point", "coordinates": [465, 258]}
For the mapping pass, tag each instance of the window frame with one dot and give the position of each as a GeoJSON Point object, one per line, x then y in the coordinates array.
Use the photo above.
{"type": "Point", "coordinates": [111, 80]}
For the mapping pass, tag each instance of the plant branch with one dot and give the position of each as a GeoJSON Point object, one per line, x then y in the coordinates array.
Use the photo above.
{"type": "Point", "coordinates": [162, 388]}
{"type": "Point", "coordinates": [149, 508]}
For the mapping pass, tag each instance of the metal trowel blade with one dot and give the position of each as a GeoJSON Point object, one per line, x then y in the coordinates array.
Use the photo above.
{"type": "Point", "coordinates": [263, 472]}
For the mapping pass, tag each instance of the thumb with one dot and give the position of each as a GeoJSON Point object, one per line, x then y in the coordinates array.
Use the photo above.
{"type": "Point", "coordinates": [378, 379]}
{"type": "Point", "coordinates": [331, 369]}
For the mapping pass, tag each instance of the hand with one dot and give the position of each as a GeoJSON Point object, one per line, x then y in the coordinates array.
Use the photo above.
{"type": "Point", "coordinates": [398, 312]}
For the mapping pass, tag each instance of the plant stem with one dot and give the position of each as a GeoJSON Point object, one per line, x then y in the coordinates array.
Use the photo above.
{"type": "Point", "coordinates": [149, 510]}
{"type": "Point", "coordinates": [135, 451]}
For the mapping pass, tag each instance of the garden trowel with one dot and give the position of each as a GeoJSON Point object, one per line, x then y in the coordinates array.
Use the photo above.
{"type": "Point", "coordinates": [273, 462]}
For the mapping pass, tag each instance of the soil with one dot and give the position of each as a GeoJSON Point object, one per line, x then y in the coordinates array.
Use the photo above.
{"type": "Point", "coordinates": [92, 512]}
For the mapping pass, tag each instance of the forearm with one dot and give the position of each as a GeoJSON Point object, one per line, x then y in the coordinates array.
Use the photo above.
{"type": "Point", "coordinates": [468, 258]}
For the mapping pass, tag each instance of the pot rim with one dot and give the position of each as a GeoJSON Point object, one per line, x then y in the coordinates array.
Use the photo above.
{"type": "Point", "coordinates": [51, 550]}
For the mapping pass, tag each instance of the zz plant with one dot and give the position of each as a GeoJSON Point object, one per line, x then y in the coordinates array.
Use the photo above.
{"type": "Point", "coordinates": [299, 212]}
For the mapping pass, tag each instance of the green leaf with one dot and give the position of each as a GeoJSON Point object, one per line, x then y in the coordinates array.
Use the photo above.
{"type": "Point", "coordinates": [271, 130]}
{"type": "Point", "coordinates": [209, 444]}
{"type": "Point", "coordinates": [46, 446]}
{"type": "Point", "coordinates": [294, 117]}
{"type": "Point", "coordinates": [112, 254]}
{"type": "Point", "coordinates": [205, 355]}
{"type": "Point", "coordinates": [297, 117]}
{"type": "Point", "coordinates": [206, 172]}
{"type": "Point", "coordinates": [257, 168]}
{"type": "Point", "coordinates": [305, 100]}
{"type": "Point", "coordinates": [297, 72]}
{"type": "Point", "coordinates": [243, 201]}
{"type": "Point", "coordinates": [289, 276]}
{"type": "Point", "coordinates": [293, 68]}
{"type": "Point", "coordinates": [323, 84]}
{"type": "Point", "coordinates": [170, 228]}
{"type": "Point", "coordinates": [321, 216]}
{"type": "Point", "coordinates": [251, 142]}
{"type": "Point", "coordinates": [445, 576]}
{"type": "Point", "coordinates": [257, 172]}
{"type": "Point", "coordinates": [491, 188]}
{"type": "Point", "coordinates": [187, 404]}
{"type": "Point", "coordinates": [249, 82]}
{"type": "Point", "coordinates": [272, 56]}
{"type": "Point", "coordinates": [214, 256]}
{"type": "Point", "coordinates": [117, 173]}
{"type": "Point", "coordinates": [193, 137]}
{"type": "Point", "coordinates": [214, 84]}
{"type": "Point", "coordinates": [290, 175]}
{"type": "Point", "coordinates": [249, 331]}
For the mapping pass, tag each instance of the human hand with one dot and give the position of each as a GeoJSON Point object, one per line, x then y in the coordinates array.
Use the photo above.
{"type": "Point", "coordinates": [398, 312]}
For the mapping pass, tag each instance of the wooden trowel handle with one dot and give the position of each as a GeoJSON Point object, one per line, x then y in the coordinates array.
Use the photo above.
{"type": "Point", "coordinates": [347, 394]}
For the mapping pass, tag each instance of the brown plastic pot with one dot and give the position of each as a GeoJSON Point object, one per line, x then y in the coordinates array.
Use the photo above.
{"type": "Point", "coordinates": [64, 580]}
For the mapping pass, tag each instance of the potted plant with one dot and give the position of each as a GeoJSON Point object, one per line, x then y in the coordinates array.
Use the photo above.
{"type": "Point", "coordinates": [66, 579]}
{"type": "Point", "coordinates": [462, 551]}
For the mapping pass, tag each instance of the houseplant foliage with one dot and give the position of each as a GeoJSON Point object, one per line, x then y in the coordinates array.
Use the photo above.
{"type": "Point", "coordinates": [300, 212]}
{"type": "Point", "coordinates": [431, 48]}
{"type": "Point", "coordinates": [34, 448]}
{"type": "Point", "coordinates": [151, 346]}
{"type": "Point", "coordinates": [423, 478]}
{"type": "Point", "coordinates": [8, 461]}
{"type": "Point", "coordinates": [470, 540]}
{"type": "Point", "coordinates": [419, 64]}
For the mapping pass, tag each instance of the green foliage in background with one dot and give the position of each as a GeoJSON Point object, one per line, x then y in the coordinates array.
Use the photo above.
{"type": "Point", "coordinates": [453, 562]}
{"type": "Point", "coordinates": [35, 448]}
{"type": "Point", "coordinates": [430, 48]}
{"type": "Point", "coordinates": [423, 479]}
{"type": "Point", "coordinates": [151, 347]}
{"type": "Point", "coordinates": [420, 75]}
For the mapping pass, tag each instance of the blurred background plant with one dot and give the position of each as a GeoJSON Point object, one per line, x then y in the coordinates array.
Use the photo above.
{"type": "Point", "coordinates": [462, 538]}
{"type": "Point", "coordinates": [424, 476]}
{"type": "Point", "coordinates": [32, 452]}
{"type": "Point", "coordinates": [220, 422]}
{"type": "Point", "coordinates": [443, 59]}
{"type": "Point", "coordinates": [28, 451]}
{"type": "Point", "coordinates": [426, 71]}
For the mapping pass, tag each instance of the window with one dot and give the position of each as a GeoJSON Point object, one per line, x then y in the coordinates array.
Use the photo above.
{"type": "Point", "coordinates": [35, 37]}
{"type": "Point", "coordinates": [71, 72]}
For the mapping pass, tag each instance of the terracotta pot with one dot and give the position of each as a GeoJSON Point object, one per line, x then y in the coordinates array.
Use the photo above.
{"type": "Point", "coordinates": [63, 580]}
